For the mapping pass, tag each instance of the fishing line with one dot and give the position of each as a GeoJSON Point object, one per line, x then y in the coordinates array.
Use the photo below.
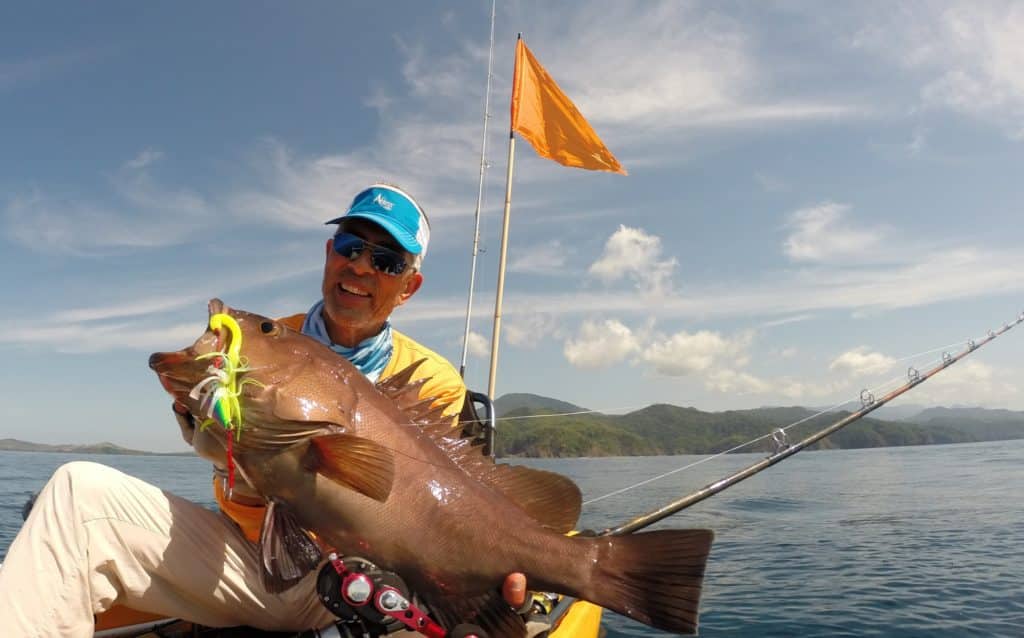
{"type": "Point", "coordinates": [602, 412]}
{"type": "Point", "coordinates": [866, 398]}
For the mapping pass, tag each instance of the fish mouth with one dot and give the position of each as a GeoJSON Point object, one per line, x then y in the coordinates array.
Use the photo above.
{"type": "Point", "coordinates": [177, 371]}
{"type": "Point", "coordinates": [181, 370]}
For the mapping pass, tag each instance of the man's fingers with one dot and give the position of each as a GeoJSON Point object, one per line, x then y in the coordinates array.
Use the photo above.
{"type": "Point", "coordinates": [185, 421]}
{"type": "Point", "coordinates": [514, 590]}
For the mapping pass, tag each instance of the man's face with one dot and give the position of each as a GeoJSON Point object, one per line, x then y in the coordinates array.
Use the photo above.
{"type": "Point", "coordinates": [358, 299]}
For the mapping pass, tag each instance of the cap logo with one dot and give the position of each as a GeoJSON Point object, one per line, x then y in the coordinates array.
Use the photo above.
{"type": "Point", "coordinates": [383, 203]}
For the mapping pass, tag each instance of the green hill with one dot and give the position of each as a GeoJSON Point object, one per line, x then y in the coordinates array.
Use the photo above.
{"type": "Point", "coordinates": [519, 400]}
{"type": "Point", "coordinates": [984, 425]}
{"type": "Point", "coordinates": [530, 430]}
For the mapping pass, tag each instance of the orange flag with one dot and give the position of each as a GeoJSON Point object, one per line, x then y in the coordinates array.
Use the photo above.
{"type": "Point", "coordinates": [550, 122]}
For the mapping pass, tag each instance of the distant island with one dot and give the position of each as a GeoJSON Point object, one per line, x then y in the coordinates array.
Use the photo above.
{"type": "Point", "coordinates": [15, 445]}
{"type": "Point", "coordinates": [536, 426]}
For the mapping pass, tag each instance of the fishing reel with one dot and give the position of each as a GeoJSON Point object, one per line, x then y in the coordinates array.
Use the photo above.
{"type": "Point", "coordinates": [372, 602]}
{"type": "Point", "coordinates": [346, 587]}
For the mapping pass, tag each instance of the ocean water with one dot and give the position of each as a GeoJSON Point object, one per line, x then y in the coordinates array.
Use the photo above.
{"type": "Point", "coordinates": [917, 541]}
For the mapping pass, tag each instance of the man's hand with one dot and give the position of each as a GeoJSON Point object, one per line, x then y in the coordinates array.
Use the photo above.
{"type": "Point", "coordinates": [185, 421]}
{"type": "Point", "coordinates": [514, 590]}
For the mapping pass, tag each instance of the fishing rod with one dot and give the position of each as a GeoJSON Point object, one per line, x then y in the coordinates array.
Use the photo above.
{"type": "Point", "coordinates": [868, 404]}
{"type": "Point", "coordinates": [479, 200]}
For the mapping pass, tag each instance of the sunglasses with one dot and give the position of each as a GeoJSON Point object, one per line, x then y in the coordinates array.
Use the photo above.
{"type": "Point", "coordinates": [385, 260]}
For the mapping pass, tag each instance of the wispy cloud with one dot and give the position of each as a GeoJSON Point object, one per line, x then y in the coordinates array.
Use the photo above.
{"type": "Point", "coordinates": [92, 338]}
{"type": "Point", "coordinates": [819, 234]}
{"type": "Point", "coordinates": [706, 71]}
{"type": "Point", "coordinates": [548, 258]}
{"type": "Point", "coordinates": [139, 212]}
{"type": "Point", "coordinates": [971, 382]}
{"type": "Point", "coordinates": [22, 72]}
{"type": "Point", "coordinates": [970, 54]}
{"type": "Point", "coordinates": [530, 330]}
{"type": "Point", "coordinates": [942, 276]}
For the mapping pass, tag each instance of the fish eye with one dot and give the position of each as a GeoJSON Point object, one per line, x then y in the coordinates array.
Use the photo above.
{"type": "Point", "coordinates": [268, 327]}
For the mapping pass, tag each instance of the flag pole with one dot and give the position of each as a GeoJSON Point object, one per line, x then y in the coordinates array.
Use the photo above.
{"type": "Point", "coordinates": [496, 333]}
{"type": "Point", "coordinates": [479, 201]}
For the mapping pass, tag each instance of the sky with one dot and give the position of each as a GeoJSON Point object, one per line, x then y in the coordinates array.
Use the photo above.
{"type": "Point", "coordinates": [819, 197]}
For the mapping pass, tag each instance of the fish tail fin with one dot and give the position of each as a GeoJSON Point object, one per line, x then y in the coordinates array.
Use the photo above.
{"type": "Point", "coordinates": [653, 577]}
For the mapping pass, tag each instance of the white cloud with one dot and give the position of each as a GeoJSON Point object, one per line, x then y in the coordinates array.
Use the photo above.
{"type": "Point", "coordinates": [686, 353]}
{"type": "Point", "coordinates": [819, 235]}
{"type": "Point", "coordinates": [731, 381]}
{"type": "Point", "coordinates": [862, 362]}
{"type": "Point", "coordinates": [634, 254]}
{"type": "Point", "coordinates": [600, 344]}
{"type": "Point", "coordinates": [971, 55]}
{"type": "Point", "coordinates": [478, 345]}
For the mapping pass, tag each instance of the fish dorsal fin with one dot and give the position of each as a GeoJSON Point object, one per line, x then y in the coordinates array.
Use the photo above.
{"type": "Point", "coordinates": [405, 394]}
{"type": "Point", "coordinates": [551, 499]}
{"type": "Point", "coordinates": [398, 383]}
{"type": "Point", "coordinates": [286, 550]}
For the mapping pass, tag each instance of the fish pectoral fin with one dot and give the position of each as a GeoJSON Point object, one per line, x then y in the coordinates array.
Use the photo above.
{"type": "Point", "coordinates": [353, 462]}
{"type": "Point", "coordinates": [286, 550]}
{"type": "Point", "coordinates": [490, 612]}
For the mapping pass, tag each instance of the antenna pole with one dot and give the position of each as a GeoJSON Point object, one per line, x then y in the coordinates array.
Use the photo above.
{"type": "Point", "coordinates": [479, 202]}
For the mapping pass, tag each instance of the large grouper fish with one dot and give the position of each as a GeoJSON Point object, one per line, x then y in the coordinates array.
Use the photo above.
{"type": "Point", "coordinates": [374, 471]}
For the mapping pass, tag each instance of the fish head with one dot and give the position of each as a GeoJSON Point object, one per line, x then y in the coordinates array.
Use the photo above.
{"type": "Point", "coordinates": [279, 374]}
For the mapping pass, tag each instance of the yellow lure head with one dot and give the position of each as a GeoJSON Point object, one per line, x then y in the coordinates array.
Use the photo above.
{"type": "Point", "coordinates": [221, 320]}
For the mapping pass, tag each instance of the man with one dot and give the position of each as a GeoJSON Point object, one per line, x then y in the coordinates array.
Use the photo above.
{"type": "Point", "coordinates": [98, 538]}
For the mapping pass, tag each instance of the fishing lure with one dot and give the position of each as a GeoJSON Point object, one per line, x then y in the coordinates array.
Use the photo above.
{"type": "Point", "coordinates": [218, 393]}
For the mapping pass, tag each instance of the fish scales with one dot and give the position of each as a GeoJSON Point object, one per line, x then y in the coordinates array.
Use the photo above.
{"type": "Point", "coordinates": [351, 462]}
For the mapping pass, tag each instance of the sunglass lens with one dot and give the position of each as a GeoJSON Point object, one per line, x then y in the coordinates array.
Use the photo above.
{"type": "Point", "coordinates": [388, 261]}
{"type": "Point", "coordinates": [383, 259]}
{"type": "Point", "coordinates": [348, 246]}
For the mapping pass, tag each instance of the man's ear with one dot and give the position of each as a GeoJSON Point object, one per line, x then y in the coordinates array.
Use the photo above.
{"type": "Point", "coordinates": [328, 248]}
{"type": "Point", "coordinates": [412, 284]}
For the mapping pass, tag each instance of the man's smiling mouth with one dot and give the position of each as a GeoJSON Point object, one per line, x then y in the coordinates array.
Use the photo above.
{"type": "Point", "coordinates": [353, 290]}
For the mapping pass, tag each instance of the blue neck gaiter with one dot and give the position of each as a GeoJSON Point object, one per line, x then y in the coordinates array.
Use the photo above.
{"type": "Point", "coordinates": [371, 355]}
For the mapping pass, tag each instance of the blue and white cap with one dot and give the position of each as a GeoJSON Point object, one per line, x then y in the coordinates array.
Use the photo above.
{"type": "Point", "coordinates": [396, 212]}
